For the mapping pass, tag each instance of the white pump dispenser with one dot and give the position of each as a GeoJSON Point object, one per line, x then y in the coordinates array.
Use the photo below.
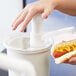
{"type": "Point", "coordinates": [36, 32]}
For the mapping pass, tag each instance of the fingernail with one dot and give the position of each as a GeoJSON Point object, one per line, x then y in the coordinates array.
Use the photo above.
{"type": "Point", "coordinates": [13, 28]}
{"type": "Point", "coordinates": [21, 30]}
{"type": "Point", "coordinates": [45, 16]}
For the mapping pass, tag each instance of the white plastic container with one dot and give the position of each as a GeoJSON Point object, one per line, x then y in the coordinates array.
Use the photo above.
{"type": "Point", "coordinates": [18, 47]}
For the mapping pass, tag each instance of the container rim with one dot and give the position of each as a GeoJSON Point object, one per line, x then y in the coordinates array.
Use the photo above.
{"type": "Point", "coordinates": [20, 50]}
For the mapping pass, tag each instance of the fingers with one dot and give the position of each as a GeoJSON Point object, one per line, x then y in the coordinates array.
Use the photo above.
{"type": "Point", "coordinates": [28, 13]}
{"type": "Point", "coordinates": [19, 19]}
{"type": "Point", "coordinates": [46, 13]}
{"type": "Point", "coordinates": [72, 61]}
{"type": "Point", "coordinates": [27, 19]}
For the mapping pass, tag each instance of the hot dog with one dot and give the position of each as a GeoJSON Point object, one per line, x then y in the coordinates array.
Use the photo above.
{"type": "Point", "coordinates": [64, 50]}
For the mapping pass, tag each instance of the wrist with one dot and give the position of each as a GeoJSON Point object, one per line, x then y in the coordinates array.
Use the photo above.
{"type": "Point", "coordinates": [56, 3]}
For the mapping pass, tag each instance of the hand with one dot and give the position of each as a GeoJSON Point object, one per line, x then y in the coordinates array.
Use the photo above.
{"type": "Point", "coordinates": [44, 7]}
{"type": "Point", "coordinates": [72, 60]}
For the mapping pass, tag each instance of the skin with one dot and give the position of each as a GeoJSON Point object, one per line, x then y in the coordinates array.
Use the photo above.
{"type": "Point", "coordinates": [71, 60]}
{"type": "Point", "coordinates": [45, 8]}
{"type": "Point", "coordinates": [42, 7]}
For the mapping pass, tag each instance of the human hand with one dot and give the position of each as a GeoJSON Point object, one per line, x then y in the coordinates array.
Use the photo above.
{"type": "Point", "coordinates": [71, 60]}
{"type": "Point", "coordinates": [43, 7]}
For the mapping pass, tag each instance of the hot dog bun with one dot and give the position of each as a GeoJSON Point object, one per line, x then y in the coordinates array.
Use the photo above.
{"type": "Point", "coordinates": [63, 51]}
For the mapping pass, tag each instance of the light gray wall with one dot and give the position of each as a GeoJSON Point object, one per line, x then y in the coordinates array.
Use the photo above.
{"type": "Point", "coordinates": [8, 11]}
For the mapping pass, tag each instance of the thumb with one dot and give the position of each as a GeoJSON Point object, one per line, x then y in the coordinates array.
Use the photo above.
{"type": "Point", "coordinates": [46, 13]}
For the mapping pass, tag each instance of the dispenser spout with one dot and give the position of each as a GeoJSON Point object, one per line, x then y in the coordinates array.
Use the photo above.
{"type": "Point", "coordinates": [23, 67]}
